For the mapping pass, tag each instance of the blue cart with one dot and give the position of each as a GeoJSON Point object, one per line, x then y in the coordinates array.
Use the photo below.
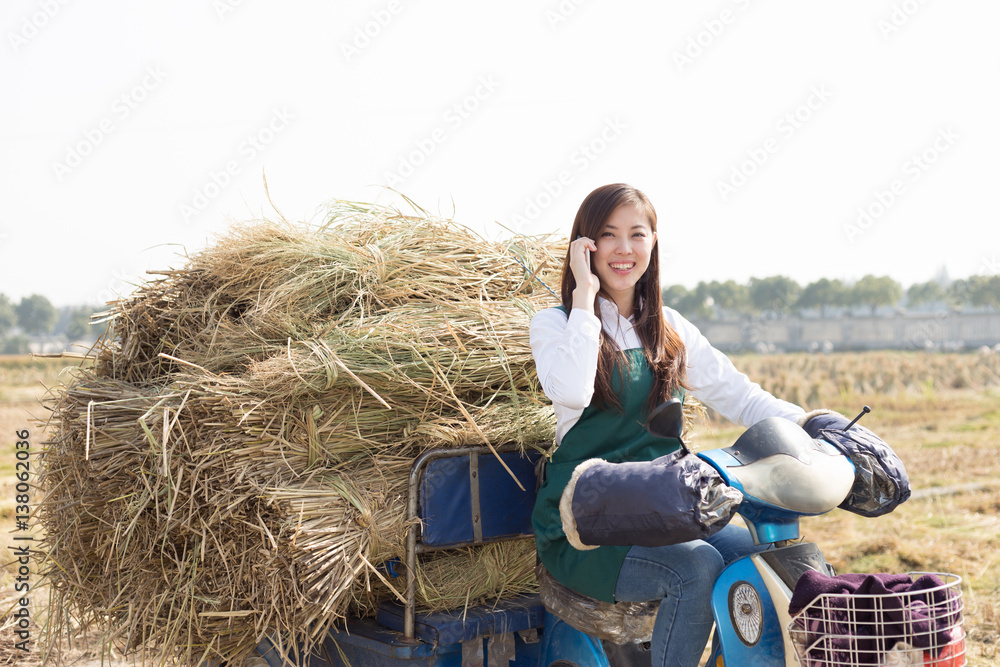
{"type": "Point", "coordinates": [462, 497]}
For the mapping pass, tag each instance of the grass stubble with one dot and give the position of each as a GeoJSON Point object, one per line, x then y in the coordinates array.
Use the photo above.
{"type": "Point", "coordinates": [948, 438]}
{"type": "Point", "coordinates": [944, 422]}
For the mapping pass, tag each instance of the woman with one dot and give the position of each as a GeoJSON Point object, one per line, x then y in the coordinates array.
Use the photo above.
{"type": "Point", "coordinates": [609, 354]}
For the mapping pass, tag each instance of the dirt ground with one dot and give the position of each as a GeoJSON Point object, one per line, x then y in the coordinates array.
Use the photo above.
{"type": "Point", "coordinates": [87, 655]}
{"type": "Point", "coordinates": [948, 438]}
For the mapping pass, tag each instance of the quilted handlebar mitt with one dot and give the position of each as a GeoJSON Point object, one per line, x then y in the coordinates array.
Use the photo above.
{"type": "Point", "coordinates": [675, 498]}
{"type": "Point", "coordinates": [880, 481]}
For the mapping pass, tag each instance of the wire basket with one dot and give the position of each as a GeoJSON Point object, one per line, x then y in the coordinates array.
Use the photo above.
{"type": "Point", "coordinates": [922, 625]}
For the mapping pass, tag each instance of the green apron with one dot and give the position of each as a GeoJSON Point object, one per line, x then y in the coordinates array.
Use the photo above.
{"type": "Point", "coordinates": [606, 435]}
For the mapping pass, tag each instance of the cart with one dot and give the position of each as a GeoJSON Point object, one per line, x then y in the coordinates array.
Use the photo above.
{"type": "Point", "coordinates": [461, 497]}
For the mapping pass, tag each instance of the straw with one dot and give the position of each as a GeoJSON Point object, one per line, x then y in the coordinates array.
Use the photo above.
{"type": "Point", "coordinates": [235, 465]}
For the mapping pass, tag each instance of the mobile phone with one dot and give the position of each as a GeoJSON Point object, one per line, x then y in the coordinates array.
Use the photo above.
{"type": "Point", "coordinates": [586, 250]}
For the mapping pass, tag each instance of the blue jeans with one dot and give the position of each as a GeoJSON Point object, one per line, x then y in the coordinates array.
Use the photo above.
{"type": "Point", "coordinates": [683, 576]}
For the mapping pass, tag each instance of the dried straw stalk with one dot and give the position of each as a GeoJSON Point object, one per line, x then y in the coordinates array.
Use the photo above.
{"type": "Point", "coordinates": [236, 465]}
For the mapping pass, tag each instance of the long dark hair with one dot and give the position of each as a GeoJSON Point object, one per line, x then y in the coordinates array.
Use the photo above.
{"type": "Point", "coordinates": [662, 346]}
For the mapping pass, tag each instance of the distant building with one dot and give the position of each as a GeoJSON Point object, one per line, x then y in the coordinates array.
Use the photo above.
{"type": "Point", "coordinates": [940, 330]}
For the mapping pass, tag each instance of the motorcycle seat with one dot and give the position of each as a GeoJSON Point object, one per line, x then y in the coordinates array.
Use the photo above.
{"type": "Point", "coordinates": [619, 622]}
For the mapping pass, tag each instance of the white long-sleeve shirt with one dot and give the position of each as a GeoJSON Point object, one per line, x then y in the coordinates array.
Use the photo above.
{"type": "Point", "coordinates": [565, 350]}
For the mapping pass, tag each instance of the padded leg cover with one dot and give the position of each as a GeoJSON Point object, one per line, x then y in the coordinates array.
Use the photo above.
{"type": "Point", "coordinates": [673, 499]}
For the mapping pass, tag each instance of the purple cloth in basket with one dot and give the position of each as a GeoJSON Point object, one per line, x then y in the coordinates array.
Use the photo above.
{"type": "Point", "coordinates": [861, 629]}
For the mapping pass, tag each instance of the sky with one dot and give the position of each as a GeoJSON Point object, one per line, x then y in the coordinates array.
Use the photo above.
{"type": "Point", "coordinates": [808, 139]}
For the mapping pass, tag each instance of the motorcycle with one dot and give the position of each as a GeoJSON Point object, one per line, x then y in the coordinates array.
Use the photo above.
{"type": "Point", "coordinates": [467, 496]}
{"type": "Point", "coordinates": [783, 474]}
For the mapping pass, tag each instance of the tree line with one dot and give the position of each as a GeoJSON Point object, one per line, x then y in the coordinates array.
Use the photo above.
{"type": "Point", "coordinates": [777, 296]}
{"type": "Point", "coordinates": [35, 317]}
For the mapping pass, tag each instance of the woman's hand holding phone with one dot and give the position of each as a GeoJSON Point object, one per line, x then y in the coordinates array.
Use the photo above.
{"type": "Point", "coordinates": [587, 282]}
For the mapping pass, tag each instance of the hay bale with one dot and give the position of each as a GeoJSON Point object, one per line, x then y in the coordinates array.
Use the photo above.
{"type": "Point", "coordinates": [236, 462]}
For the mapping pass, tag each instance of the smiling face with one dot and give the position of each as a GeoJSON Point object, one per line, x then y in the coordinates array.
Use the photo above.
{"type": "Point", "coordinates": [624, 247]}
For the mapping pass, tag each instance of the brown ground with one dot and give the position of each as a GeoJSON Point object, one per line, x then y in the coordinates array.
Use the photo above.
{"type": "Point", "coordinates": [949, 438]}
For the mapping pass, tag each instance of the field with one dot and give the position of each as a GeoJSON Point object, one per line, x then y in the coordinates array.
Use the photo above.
{"type": "Point", "coordinates": [941, 413]}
